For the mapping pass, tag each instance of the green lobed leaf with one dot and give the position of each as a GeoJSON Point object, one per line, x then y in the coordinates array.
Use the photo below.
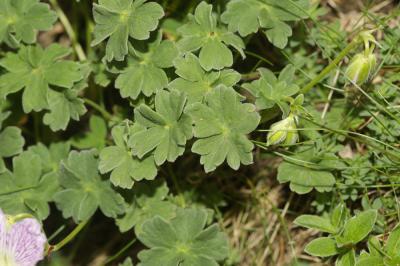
{"type": "Point", "coordinates": [120, 160]}
{"type": "Point", "coordinates": [202, 33]}
{"type": "Point", "coordinates": [270, 90]}
{"type": "Point", "coordinates": [144, 71]}
{"type": "Point", "coordinates": [197, 83]}
{"type": "Point", "coordinates": [145, 201]}
{"type": "Point", "coordinates": [271, 16]}
{"type": "Point", "coordinates": [221, 135]}
{"type": "Point", "coordinates": [182, 240]}
{"type": "Point", "coordinates": [167, 128]}
{"type": "Point", "coordinates": [51, 156]}
{"type": "Point", "coordinates": [83, 190]}
{"type": "Point", "coordinates": [21, 20]}
{"type": "Point", "coordinates": [35, 70]}
{"type": "Point", "coordinates": [27, 189]}
{"type": "Point", "coordinates": [119, 20]}
{"type": "Point", "coordinates": [95, 137]}
{"type": "Point", "coordinates": [303, 179]}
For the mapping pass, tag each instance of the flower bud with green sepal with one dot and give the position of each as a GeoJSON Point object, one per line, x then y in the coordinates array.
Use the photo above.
{"type": "Point", "coordinates": [361, 68]}
{"type": "Point", "coordinates": [284, 131]}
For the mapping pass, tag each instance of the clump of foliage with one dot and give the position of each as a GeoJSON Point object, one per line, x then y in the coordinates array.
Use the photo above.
{"type": "Point", "coordinates": [131, 115]}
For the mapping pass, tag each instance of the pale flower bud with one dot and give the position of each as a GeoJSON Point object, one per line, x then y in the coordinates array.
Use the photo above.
{"type": "Point", "coordinates": [361, 68]}
{"type": "Point", "coordinates": [284, 131]}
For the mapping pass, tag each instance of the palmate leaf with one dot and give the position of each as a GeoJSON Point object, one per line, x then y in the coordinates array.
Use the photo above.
{"type": "Point", "coordinates": [303, 179]}
{"type": "Point", "coordinates": [248, 16]}
{"type": "Point", "coordinates": [118, 20]}
{"type": "Point", "coordinates": [182, 241]}
{"type": "Point", "coordinates": [167, 128]}
{"type": "Point", "coordinates": [221, 124]}
{"type": "Point", "coordinates": [202, 33]}
{"type": "Point", "coordinates": [144, 72]}
{"type": "Point", "coordinates": [197, 83]}
{"type": "Point", "coordinates": [270, 90]}
{"type": "Point", "coordinates": [83, 190]}
{"type": "Point", "coordinates": [27, 189]}
{"type": "Point", "coordinates": [21, 20]}
{"type": "Point", "coordinates": [51, 156]}
{"type": "Point", "coordinates": [125, 167]}
{"type": "Point", "coordinates": [145, 201]}
{"type": "Point", "coordinates": [35, 70]}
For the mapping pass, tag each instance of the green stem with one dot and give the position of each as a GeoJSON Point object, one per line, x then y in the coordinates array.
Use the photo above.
{"type": "Point", "coordinates": [68, 28]}
{"type": "Point", "coordinates": [331, 66]}
{"type": "Point", "coordinates": [69, 237]}
{"type": "Point", "coordinates": [100, 109]}
{"type": "Point", "coordinates": [119, 253]}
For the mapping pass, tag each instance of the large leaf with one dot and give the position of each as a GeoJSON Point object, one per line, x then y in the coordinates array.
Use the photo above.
{"type": "Point", "coordinates": [248, 16]}
{"type": "Point", "coordinates": [315, 222]}
{"type": "Point", "coordinates": [202, 33]}
{"type": "Point", "coordinates": [35, 70]}
{"type": "Point", "coordinates": [117, 20]}
{"type": "Point", "coordinates": [182, 241]}
{"type": "Point", "coordinates": [167, 128]}
{"type": "Point", "coordinates": [221, 135]}
{"type": "Point", "coordinates": [83, 190]}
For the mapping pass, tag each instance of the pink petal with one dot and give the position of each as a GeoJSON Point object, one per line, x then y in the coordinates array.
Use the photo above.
{"type": "Point", "coordinates": [26, 242]}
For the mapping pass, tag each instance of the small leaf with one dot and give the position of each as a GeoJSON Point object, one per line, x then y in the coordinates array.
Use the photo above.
{"type": "Point", "coordinates": [270, 90]}
{"type": "Point", "coordinates": [315, 222]}
{"type": "Point", "coordinates": [322, 247]}
{"type": "Point", "coordinates": [357, 227]}
{"type": "Point", "coordinates": [347, 259]}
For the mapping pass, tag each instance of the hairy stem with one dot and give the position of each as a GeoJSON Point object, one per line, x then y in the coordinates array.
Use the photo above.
{"type": "Point", "coordinates": [68, 28]}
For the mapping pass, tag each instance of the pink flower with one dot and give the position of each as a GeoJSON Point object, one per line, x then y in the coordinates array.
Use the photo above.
{"type": "Point", "coordinates": [21, 243]}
